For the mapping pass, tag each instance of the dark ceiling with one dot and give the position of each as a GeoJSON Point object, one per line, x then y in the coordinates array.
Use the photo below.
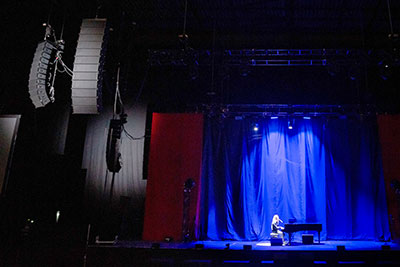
{"type": "Point", "coordinates": [224, 24]}
{"type": "Point", "coordinates": [229, 23]}
{"type": "Point", "coordinates": [273, 23]}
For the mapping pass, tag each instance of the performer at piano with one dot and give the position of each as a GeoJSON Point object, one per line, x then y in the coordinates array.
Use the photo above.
{"type": "Point", "coordinates": [275, 228]}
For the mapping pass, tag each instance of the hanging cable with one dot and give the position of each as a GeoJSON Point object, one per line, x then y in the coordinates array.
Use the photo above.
{"type": "Point", "coordinates": [184, 37]}
{"type": "Point", "coordinates": [184, 19]}
{"type": "Point", "coordinates": [213, 61]}
{"type": "Point", "coordinates": [141, 86]}
{"type": "Point", "coordinates": [62, 28]}
{"type": "Point", "coordinates": [390, 18]}
{"type": "Point", "coordinates": [48, 30]}
{"type": "Point", "coordinates": [116, 96]}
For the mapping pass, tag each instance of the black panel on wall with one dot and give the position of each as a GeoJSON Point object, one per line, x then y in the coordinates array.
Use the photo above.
{"type": "Point", "coordinates": [147, 137]}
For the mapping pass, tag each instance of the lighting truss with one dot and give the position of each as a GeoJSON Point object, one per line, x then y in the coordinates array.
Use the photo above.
{"type": "Point", "coordinates": [239, 111]}
{"type": "Point", "coordinates": [255, 57]}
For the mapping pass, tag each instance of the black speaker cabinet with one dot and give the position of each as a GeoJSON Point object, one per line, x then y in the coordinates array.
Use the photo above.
{"type": "Point", "coordinates": [41, 71]}
{"type": "Point", "coordinates": [308, 239]}
{"type": "Point", "coordinates": [276, 241]}
{"type": "Point", "coordinates": [247, 247]}
{"type": "Point", "coordinates": [87, 80]}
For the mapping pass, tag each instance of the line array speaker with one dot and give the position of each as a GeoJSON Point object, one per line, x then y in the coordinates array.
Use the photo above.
{"type": "Point", "coordinates": [87, 80]}
{"type": "Point", "coordinates": [40, 75]}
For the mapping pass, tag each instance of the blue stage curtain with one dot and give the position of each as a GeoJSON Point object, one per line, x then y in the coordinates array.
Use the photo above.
{"type": "Point", "coordinates": [324, 171]}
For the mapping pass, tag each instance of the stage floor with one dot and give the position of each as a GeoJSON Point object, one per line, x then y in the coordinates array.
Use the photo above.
{"type": "Point", "coordinates": [329, 245]}
{"type": "Point", "coordinates": [227, 253]}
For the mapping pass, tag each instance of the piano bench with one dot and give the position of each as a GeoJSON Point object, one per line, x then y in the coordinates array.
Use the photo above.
{"type": "Point", "coordinates": [275, 239]}
{"type": "Point", "coordinates": [307, 239]}
{"type": "Point", "coordinates": [273, 235]}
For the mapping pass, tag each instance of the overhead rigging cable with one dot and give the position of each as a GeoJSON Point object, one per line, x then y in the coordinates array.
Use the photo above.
{"type": "Point", "coordinates": [48, 20]}
{"type": "Point", "coordinates": [213, 59]}
{"type": "Point", "coordinates": [62, 27]}
{"type": "Point", "coordinates": [141, 86]}
{"type": "Point", "coordinates": [390, 17]}
{"type": "Point", "coordinates": [117, 95]}
{"type": "Point", "coordinates": [118, 99]}
{"type": "Point", "coordinates": [184, 20]}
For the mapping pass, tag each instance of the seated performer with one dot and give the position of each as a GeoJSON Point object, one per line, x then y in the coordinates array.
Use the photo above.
{"type": "Point", "coordinates": [275, 228]}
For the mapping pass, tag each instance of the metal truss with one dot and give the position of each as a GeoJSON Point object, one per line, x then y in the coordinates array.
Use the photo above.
{"type": "Point", "coordinates": [255, 57]}
{"type": "Point", "coordinates": [239, 111]}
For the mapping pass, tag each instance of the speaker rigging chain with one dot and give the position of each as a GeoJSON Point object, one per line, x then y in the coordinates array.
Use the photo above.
{"type": "Point", "coordinates": [65, 69]}
{"type": "Point", "coordinates": [53, 79]}
{"type": "Point", "coordinates": [117, 97]}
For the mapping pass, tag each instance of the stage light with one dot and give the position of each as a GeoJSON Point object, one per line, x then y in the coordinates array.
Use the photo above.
{"type": "Point", "coordinates": [385, 68]}
{"type": "Point", "coordinates": [332, 68]}
{"type": "Point", "coordinates": [274, 118]}
{"type": "Point", "coordinates": [255, 127]}
{"type": "Point", "coordinates": [57, 215]}
{"type": "Point", "coordinates": [354, 71]}
{"type": "Point", "coordinates": [307, 118]}
{"type": "Point", "coordinates": [290, 124]}
{"type": "Point", "coordinates": [244, 71]}
{"type": "Point", "coordinates": [168, 239]}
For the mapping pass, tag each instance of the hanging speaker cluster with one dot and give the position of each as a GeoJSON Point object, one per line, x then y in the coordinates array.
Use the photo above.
{"type": "Point", "coordinates": [87, 79]}
{"type": "Point", "coordinates": [41, 71]}
{"type": "Point", "coordinates": [113, 154]}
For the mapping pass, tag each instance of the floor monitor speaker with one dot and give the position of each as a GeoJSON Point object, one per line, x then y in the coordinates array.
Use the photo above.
{"type": "Point", "coordinates": [307, 239]}
{"type": "Point", "coordinates": [276, 241]}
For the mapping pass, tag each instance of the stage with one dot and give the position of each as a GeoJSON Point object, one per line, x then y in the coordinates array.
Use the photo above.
{"type": "Point", "coordinates": [207, 253]}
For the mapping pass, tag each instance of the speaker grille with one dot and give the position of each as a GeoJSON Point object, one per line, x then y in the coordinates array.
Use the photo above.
{"type": "Point", "coordinates": [87, 80]}
{"type": "Point", "coordinates": [41, 69]}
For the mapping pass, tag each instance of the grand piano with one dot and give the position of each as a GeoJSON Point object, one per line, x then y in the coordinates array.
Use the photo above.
{"type": "Point", "coordinates": [290, 228]}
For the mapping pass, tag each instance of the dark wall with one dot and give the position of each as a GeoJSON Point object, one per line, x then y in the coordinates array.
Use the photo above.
{"type": "Point", "coordinates": [115, 204]}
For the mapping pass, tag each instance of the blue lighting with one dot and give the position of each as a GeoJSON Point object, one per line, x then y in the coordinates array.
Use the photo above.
{"type": "Point", "coordinates": [307, 118]}
{"type": "Point", "coordinates": [303, 173]}
{"type": "Point", "coordinates": [274, 118]}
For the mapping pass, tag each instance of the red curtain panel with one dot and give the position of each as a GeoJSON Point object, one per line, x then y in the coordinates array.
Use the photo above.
{"type": "Point", "coordinates": [389, 134]}
{"type": "Point", "coordinates": [175, 156]}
